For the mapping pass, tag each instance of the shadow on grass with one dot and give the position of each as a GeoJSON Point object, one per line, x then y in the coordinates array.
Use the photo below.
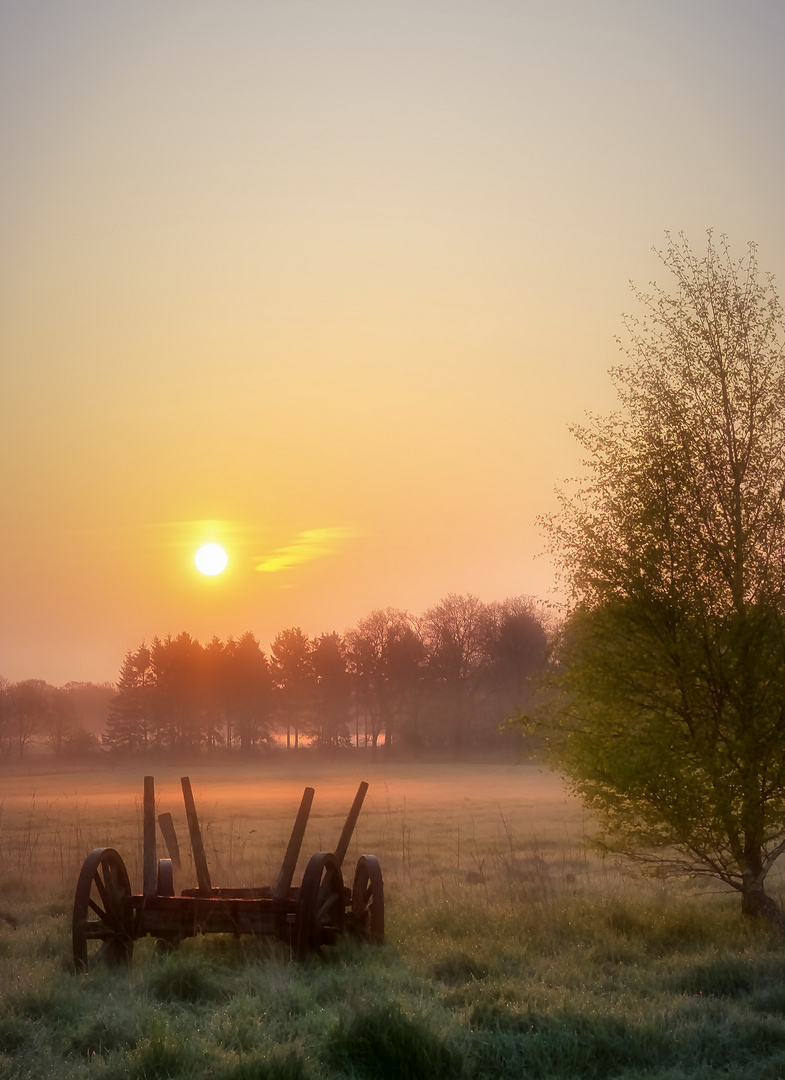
{"type": "Point", "coordinates": [384, 1044]}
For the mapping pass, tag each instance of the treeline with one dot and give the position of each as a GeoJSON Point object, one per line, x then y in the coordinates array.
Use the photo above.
{"type": "Point", "coordinates": [63, 718]}
{"type": "Point", "coordinates": [443, 681]}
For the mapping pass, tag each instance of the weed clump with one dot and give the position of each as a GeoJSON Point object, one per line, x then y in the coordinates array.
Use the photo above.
{"type": "Point", "coordinates": [165, 1054]}
{"type": "Point", "coordinates": [725, 977]}
{"type": "Point", "coordinates": [383, 1043]}
{"type": "Point", "coordinates": [277, 1065]}
{"type": "Point", "coordinates": [16, 1032]}
{"type": "Point", "coordinates": [107, 1031]}
{"type": "Point", "coordinates": [457, 968]}
{"type": "Point", "coordinates": [185, 979]}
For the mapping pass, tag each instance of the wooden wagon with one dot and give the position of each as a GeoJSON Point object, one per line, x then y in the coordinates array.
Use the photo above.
{"type": "Point", "coordinates": [108, 918]}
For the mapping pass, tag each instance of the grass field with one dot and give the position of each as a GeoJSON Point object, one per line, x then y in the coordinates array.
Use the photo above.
{"type": "Point", "coordinates": [511, 950]}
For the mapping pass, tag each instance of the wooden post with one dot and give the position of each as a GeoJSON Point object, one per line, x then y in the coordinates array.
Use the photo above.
{"type": "Point", "coordinates": [293, 850]}
{"type": "Point", "coordinates": [150, 859]}
{"type": "Point", "coordinates": [200, 859]}
{"type": "Point", "coordinates": [170, 839]}
{"type": "Point", "coordinates": [351, 821]}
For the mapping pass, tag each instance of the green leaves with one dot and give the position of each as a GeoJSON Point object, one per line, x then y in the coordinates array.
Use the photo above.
{"type": "Point", "coordinates": [672, 661]}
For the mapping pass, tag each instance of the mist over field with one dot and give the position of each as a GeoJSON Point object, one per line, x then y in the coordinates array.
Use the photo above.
{"type": "Point", "coordinates": [424, 821]}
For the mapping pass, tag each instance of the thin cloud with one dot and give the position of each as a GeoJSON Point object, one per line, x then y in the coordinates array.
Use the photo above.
{"type": "Point", "coordinates": [310, 544]}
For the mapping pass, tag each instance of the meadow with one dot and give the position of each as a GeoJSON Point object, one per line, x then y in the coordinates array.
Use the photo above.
{"type": "Point", "coordinates": [511, 949]}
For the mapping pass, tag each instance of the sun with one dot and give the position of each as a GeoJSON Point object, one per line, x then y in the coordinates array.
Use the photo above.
{"type": "Point", "coordinates": [211, 559]}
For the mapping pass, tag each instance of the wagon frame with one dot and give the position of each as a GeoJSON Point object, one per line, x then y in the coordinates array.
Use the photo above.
{"type": "Point", "coordinates": [108, 918]}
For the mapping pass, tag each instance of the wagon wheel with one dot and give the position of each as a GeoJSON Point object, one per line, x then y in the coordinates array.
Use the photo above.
{"type": "Point", "coordinates": [320, 905]}
{"type": "Point", "coordinates": [368, 900]}
{"type": "Point", "coordinates": [103, 924]}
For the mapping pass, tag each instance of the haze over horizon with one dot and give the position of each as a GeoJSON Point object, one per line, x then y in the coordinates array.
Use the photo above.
{"type": "Point", "coordinates": [326, 283]}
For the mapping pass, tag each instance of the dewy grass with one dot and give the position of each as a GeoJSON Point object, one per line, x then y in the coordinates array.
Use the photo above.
{"type": "Point", "coordinates": [537, 997]}
{"type": "Point", "coordinates": [550, 966]}
{"type": "Point", "coordinates": [185, 978]}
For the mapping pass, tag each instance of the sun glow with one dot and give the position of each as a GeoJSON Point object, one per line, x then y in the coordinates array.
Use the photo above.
{"type": "Point", "coordinates": [211, 559]}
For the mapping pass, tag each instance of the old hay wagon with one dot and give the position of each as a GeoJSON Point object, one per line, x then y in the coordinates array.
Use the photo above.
{"type": "Point", "coordinates": [108, 918]}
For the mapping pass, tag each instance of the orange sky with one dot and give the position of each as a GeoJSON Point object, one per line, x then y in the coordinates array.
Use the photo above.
{"type": "Point", "coordinates": [326, 282]}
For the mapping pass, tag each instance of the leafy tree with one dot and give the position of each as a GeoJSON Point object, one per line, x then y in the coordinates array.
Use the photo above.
{"type": "Point", "coordinates": [91, 702]}
{"type": "Point", "coordinates": [247, 689]}
{"type": "Point", "coordinates": [455, 634]}
{"type": "Point", "coordinates": [29, 709]}
{"type": "Point", "coordinates": [59, 723]}
{"type": "Point", "coordinates": [517, 644]}
{"type": "Point", "coordinates": [405, 697]}
{"type": "Point", "coordinates": [671, 665]}
{"type": "Point", "coordinates": [177, 663]}
{"type": "Point", "coordinates": [382, 649]}
{"type": "Point", "coordinates": [291, 663]}
{"type": "Point", "coordinates": [330, 726]}
{"type": "Point", "coordinates": [215, 682]}
{"type": "Point", "coordinates": [517, 651]}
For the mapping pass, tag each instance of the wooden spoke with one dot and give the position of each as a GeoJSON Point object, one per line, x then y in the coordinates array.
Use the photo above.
{"type": "Point", "coordinates": [101, 889]}
{"type": "Point", "coordinates": [99, 911]}
{"type": "Point", "coordinates": [95, 931]}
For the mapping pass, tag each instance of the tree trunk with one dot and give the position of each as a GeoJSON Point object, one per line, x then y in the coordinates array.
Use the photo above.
{"type": "Point", "coordinates": [755, 904]}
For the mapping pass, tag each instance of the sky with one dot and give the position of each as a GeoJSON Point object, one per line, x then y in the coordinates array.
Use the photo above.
{"type": "Point", "coordinates": [326, 282]}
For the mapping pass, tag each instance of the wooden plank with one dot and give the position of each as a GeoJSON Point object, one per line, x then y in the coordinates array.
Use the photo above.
{"type": "Point", "coordinates": [170, 839]}
{"type": "Point", "coordinates": [351, 821]}
{"type": "Point", "coordinates": [150, 858]}
{"type": "Point", "coordinates": [293, 850]}
{"type": "Point", "coordinates": [197, 847]}
{"type": "Point", "coordinates": [180, 917]}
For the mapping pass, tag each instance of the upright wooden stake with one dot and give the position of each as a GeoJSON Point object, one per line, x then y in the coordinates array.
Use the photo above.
{"type": "Point", "coordinates": [150, 859]}
{"type": "Point", "coordinates": [351, 821]}
{"type": "Point", "coordinates": [293, 850]}
{"type": "Point", "coordinates": [200, 859]}
{"type": "Point", "coordinates": [170, 838]}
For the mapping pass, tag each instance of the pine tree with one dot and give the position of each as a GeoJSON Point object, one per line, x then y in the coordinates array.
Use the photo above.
{"type": "Point", "coordinates": [128, 725]}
